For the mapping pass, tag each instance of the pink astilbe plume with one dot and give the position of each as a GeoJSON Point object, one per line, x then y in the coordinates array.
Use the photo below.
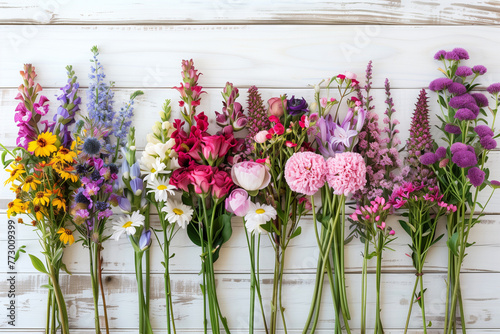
{"type": "Point", "coordinates": [379, 146]}
{"type": "Point", "coordinates": [257, 116]}
{"type": "Point", "coordinates": [419, 142]}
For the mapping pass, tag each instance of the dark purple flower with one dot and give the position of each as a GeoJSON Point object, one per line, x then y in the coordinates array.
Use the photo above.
{"type": "Point", "coordinates": [463, 71]}
{"type": "Point", "coordinates": [453, 129]}
{"type": "Point", "coordinates": [296, 106]}
{"type": "Point", "coordinates": [465, 114]}
{"type": "Point", "coordinates": [457, 88]}
{"type": "Point", "coordinates": [483, 130]}
{"type": "Point", "coordinates": [455, 147]}
{"type": "Point", "coordinates": [461, 53]}
{"type": "Point", "coordinates": [440, 84]}
{"type": "Point", "coordinates": [464, 159]}
{"type": "Point", "coordinates": [488, 142]}
{"type": "Point", "coordinates": [494, 88]}
{"type": "Point", "coordinates": [441, 152]}
{"type": "Point", "coordinates": [479, 69]}
{"type": "Point", "coordinates": [461, 101]}
{"type": "Point", "coordinates": [439, 55]}
{"type": "Point", "coordinates": [481, 99]}
{"type": "Point", "coordinates": [451, 56]}
{"type": "Point", "coordinates": [428, 158]}
{"type": "Point", "coordinates": [476, 176]}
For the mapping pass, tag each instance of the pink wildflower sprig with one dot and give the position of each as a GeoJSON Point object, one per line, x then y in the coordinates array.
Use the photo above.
{"type": "Point", "coordinates": [370, 219]}
{"type": "Point", "coordinates": [190, 90]}
{"type": "Point", "coordinates": [232, 112]}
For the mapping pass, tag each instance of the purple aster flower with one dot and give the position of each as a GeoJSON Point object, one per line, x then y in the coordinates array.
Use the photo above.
{"type": "Point", "coordinates": [483, 130]}
{"type": "Point", "coordinates": [296, 106]}
{"type": "Point", "coordinates": [465, 114]}
{"type": "Point", "coordinates": [440, 84]}
{"type": "Point", "coordinates": [464, 158]}
{"type": "Point", "coordinates": [479, 69]}
{"type": "Point", "coordinates": [461, 101]}
{"type": "Point", "coordinates": [494, 88]}
{"type": "Point", "coordinates": [441, 152]}
{"type": "Point", "coordinates": [453, 129]}
{"type": "Point", "coordinates": [440, 55]}
{"type": "Point", "coordinates": [476, 176]}
{"type": "Point", "coordinates": [455, 147]}
{"type": "Point", "coordinates": [451, 56]}
{"type": "Point", "coordinates": [463, 71]}
{"type": "Point", "coordinates": [457, 88]}
{"type": "Point", "coordinates": [481, 99]}
{"type": "Point", "coordinates": [488, 142]}
{"type": "Point", "coordinates": [461, 53]}
{"type": "Point", "coordinates": [428, 158]}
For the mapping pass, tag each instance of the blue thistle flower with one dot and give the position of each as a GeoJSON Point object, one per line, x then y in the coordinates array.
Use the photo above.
{"type": "Point", "coordinates": [91, 146]}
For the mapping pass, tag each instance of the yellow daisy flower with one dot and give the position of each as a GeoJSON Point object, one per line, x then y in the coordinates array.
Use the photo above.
{"type": "Point", "coordinates": [66, 236]}
{"type": "Point", "coordinates": [59, 203]}
{"type": "Point", "coordinates": [44, 145]}
{"type": "Point", "coordinates": [30, 183]}
{"type": "Point", "coordinates": [14, 207]}
{"type": "Point", "coordinates": [67, 174]}
{"type": "Point", "coordinates": [15, 172]}
{"type": "Point", "coordinates": [41, 198]}
{"type": "Point", "coordinates": [66, 155]}
{"type": "Point", "coordinates": [39, 212]}
{"type": "Point", "coordinates": [15, 189]}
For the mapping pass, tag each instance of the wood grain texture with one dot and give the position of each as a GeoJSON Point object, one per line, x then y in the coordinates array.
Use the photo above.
{"type": "Point", "coordinates": [482, 309]}
{"type": "Point", "coordinates": [269, 56]}
{"type": "Point", "coordinates": [407, 12]}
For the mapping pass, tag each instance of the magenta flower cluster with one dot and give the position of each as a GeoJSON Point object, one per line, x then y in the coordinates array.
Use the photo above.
{"type": "Point", "coordinates": [408, 193]}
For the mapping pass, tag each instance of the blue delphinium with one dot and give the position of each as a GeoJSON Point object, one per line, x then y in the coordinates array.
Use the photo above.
{"type": "Point", "coordinates": [121, 123]}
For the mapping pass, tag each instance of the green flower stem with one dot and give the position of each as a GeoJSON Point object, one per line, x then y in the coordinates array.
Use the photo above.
{"type": "Point", "coordinates": [364, 284]}
{"type": "Point", "coordinates": [53, 326]}
{"type": "Point", "coordinates": [167, 281]}
{"type": "Point", "coordinates": [380, 247]}
{"type": "Point", "coordinates": [144, 322]}
{"type": "Point", "coordinates": [412, 299]}
{"type": "Point", "coordinates": [49, 306]}
{"type": "Point", "coordinates": [99, 269]}
{"type": "Point", "coordinates": [95, 287]}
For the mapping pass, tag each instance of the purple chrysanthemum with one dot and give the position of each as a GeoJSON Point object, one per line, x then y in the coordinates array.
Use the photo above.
{"type": "Point", "coordinates": [457, 88]}
{"type": "Point", "coordinates": [461, 100]}
{"type": "Point", "coordinates": [440, 84]}
{"type": "Point", "coordinates": [464, 158]}
{"type": "Point", "coordinates": [461, 53]}
{"type": "Point", "coordinates": [494, 88]}
{"type": "Point", "coordinates": [428, 158]}
{"type": "Point", "coordinates": [488, 142]}
{"type": "Point", "coordinates": [451, 56]}
{"type": "Point", "coordinates": [476, 176]}
{"type": "Point", "coordinates": [483, 130]}
{"type": "Point", "coordinates": [453, 129]}
{"type": "Point", "coordinates": [473, 107]}
{"type": "Point", "coordinates": [479, 69]}
{"type": "Point", "coordinates": [455, 147]}
{"type": "Point", "coordinates": [463, 71]}
{"type": "Point", "coordinates": [465, 114]}
{"type": "Point", "coordinates": [439, 55]}
{"type": "Point", "coordinates": [481, 99]}
{"type": "Point", "coordinates": [441, 152]}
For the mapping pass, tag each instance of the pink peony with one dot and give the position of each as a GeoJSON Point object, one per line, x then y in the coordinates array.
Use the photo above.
{"type": "Point", "coordinates": [305, 172]}
{"type": "Point", "coordinates": [346, 173]}
{"type": "Point", "coordinates": [250, 175]}
{"type": "Point", "coordinates": [238, 202]}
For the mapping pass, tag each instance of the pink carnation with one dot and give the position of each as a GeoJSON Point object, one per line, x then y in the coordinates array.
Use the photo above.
{"type": "Point", "coordinates": [305, 172]}
{"type": "Point", "coordinates": [346, 173]}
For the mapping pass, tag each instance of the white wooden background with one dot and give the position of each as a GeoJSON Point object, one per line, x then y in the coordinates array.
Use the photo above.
{"type": "Point", "coordinates": [280, 46]}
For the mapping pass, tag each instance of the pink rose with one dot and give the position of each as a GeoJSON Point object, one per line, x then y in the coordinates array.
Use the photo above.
{"type": "Point", "coordinates": [350, 75]}
{"type": "Point", "coordinates": [222, 184]}
{"type": "Point", "coordinates": [250, 175]}
{"type": "Point", "coordinates": [180, 178]}
{"type": "Point", "coordinates": [201, 178]}
{"type": "Point", "coordinates": [276, 106]}
{"type": "Point", "coordinates": [261, 136]}
{"type": "Point", "coordinates": [238, 202]}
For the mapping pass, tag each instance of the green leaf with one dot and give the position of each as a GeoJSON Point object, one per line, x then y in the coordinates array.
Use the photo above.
{"type": "Point", "coordinates": [452, 243]}
{"type": "Point", "coordinates": [58, 255]}
{"type": "Point", "coordinates": [38, 264]}
{"type": "Point", "coordinates": [430, 324]}
{"type": "Point", "coordinates": [371, 255]}
{"type": "Point", "coordinates": [296, 233]}
{"type": "Point", "coordinates": [47, 286]}
{"type": "Point", "coordinates": [18, 252]}
{"type": "Point", "coordinates": [193, 235]}
{"type": "Point", "coordinates": [63, 267]}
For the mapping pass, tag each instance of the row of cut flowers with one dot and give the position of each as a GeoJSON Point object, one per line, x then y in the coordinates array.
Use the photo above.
{"type": "Point", "coordinates": [292, 158]}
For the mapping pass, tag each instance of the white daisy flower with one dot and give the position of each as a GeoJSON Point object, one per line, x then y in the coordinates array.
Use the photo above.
{"type": "Point", "coordinates": [258, 214]}
{"type": "Point", "coordinates": [127, 224]}
{"type": "Point", "coordinates": [156, 168]}
{"type": "Point", "coordinates": [161, 188]}
{"type": "Point", "coordinates": [178, 213]}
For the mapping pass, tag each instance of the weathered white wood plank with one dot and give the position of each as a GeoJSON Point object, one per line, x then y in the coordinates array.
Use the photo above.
{"type": "Point", "coordinates": [249, 12]}
{"type": "Point", "coordinates": [270, 56]}
{"type": "Point", "coordinates": [301, 256]}
{"type": "Point", "coordinates": [482, 308]}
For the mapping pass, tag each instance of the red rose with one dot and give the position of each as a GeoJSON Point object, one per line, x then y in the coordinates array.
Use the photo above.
{"type": "Point", "coordinates": [201, 178]}
{"type": "Point", "coordinates": [222, 184]}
